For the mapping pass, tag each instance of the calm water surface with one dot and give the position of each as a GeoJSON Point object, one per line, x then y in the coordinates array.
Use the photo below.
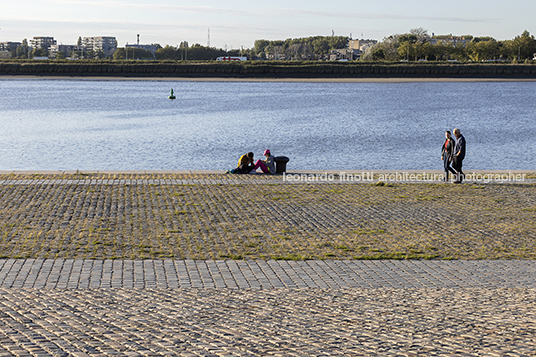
{"type": "Point", "coordinates": [131, 125]}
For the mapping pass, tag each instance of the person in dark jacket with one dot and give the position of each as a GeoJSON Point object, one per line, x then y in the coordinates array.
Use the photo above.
{"type": "Point", "coordinates": [245, 163]}
{"type": "Point", "coordinates": [458, 156]}
{"type": "Point", "coordinates": [447, 149]}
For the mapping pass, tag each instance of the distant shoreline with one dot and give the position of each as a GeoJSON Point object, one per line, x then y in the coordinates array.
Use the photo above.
{"type": "Point", "coordinates": [277, 71]}
{"type": "Point", "coordinates": [257, 79]}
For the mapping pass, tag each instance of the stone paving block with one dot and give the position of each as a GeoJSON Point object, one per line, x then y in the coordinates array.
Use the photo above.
{"type": "Point", "coordinates": [236, 273]}
{"type": "Point", "coordinates": [149, 274]}
{"type": "Point", "coordinates": [172, 279]}
{"type": "Point", "coordinates": [106, 275]}
{"type": "Point", "coordinates": [226, 274]}
{"type": "Point", "coordinates": [64, 275]}
{"type": "Point", "coordinates": [128, 274]}
{"type": "Point", "coordinates": [96, 275]}
{"type": "Point", "coordinates": [85, 274]}
{"type": "Point", "coordinates": [182, 274]}
{"type": "Point", "coordinates": [260, 274]}
{"type": "Point", "coordinates": [74, 277]}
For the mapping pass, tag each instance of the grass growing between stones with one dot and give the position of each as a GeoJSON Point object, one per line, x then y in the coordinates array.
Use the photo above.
{"type": "Point", "coordinates": [151, 216]}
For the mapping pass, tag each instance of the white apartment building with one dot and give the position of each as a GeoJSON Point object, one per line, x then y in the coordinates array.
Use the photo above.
{"type": "Point", "coordinates": [41, 42]}
{"type": "Point", "coordinates": [108, 45]}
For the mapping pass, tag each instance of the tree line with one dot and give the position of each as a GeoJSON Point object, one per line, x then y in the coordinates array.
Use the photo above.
{"type": "Point", "coordinates": [306, 48]}
{"type": "Point", "coordinates": [413, 46]}
{"type": "Point", "coordinates": [418, 45]}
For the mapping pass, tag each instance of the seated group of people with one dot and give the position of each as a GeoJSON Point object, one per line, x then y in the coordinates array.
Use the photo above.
{"type": "Point", "coordinates": [246, 165]}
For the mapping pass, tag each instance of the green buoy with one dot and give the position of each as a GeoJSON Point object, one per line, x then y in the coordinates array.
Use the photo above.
{"type": "Point", "coordinates": [171, 95]}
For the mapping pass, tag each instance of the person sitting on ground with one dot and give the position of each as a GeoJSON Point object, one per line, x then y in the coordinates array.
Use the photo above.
{"type": "Point", "coordinates": [245, 163]}
{"type": "Point", "coordinates": [268, 165]}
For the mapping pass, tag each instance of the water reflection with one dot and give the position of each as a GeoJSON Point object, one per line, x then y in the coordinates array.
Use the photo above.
{"type": "Point", "coordinates": [74, 124]}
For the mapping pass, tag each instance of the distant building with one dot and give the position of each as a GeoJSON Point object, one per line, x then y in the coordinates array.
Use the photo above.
{"type": "Point", "coordinates": [107, 45]}
{"type": "Point", "coordinates": [352, 52]}
{"type": "Point", "coordinates": [276, 57]}
{"type": "Point", "coordinates": [41, 42]}
{"type": "Point", "coordinates": [66, 49]}
{"type": "Point", "coordinates": [345, 54]}
{"type": "Point", "coordinates": [361, 45]}
{"type": "Point", "coordinates": [9, 46]}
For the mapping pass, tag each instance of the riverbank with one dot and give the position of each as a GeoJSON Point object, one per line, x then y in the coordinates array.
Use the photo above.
{"type": "Point", "coordinates": [289, 80]}
{"type": "Point", "coordinates": [264, 69]}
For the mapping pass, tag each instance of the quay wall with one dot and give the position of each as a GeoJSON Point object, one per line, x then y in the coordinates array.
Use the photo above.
{"type": "Point", "coordinates": [267, 69]}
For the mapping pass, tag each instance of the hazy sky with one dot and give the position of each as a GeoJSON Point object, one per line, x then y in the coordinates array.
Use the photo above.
{"type": "Point", "coordinates": [238, 23]}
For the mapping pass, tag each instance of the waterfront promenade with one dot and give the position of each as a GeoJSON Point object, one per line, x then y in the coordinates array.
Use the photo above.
{"type": "Point", "coordinates": [207, 264]}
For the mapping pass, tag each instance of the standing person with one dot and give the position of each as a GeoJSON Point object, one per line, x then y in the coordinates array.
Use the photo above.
{"type": "Point", "coordinates": [245, 163]}
{"type": "Point", "coordinates": [446, 154]}
{"type": "Point", "coordinates": [458, 156]}
{"type": "Point", "coordinates": [268, 165]}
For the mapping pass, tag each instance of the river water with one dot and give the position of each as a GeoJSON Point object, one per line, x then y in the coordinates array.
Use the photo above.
{"type": "Point", "coordinates": [131, 125]}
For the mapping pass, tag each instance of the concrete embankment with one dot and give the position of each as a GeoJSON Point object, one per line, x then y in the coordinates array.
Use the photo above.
{"type": "Point", "coordinates": [268, 70]}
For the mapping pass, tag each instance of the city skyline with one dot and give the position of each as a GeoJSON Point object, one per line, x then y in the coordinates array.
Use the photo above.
{"type": "Point", "coordinates": [238, 23]}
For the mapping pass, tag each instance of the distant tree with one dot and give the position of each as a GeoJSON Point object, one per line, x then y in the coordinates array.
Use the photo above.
{"type": "Point", "coordinates": [420, 33]}
{"type": "Point", "coordinates": [133, 53]}
{"type": "Point", "coordinates": [39, 52]}
{"type": "Point", "coordinates": [22, 50]}
{"type": "Point", "coordinates": [523, 46]}
{"type": "Point", "coordinates": [482, 49]}
{"type": "Point", "coordinates": [299, 48]}
{"type": "Point", "coordinates": [99, 54]}
{"type": "Point", "coordinates": [79, 42]}
{"type": "Point", "coordinates": [167, 52]}
{"type": "Point", "coordinates": [408, 37]}
{"type": "Point", "coordinates": [60, 55]}
{"type": "Point", "coordinates": [406, 50]}
{"type": "Point", "coordinates": [483, 39]}
{"type": "Point", "coordinates": [260, 45]}
{"type": "Point", "coordinates": [378, 54]}
{"type": "Point", "coordinates": [412, 45]}
{"type": "Point", "coordinates": [457, 51]}
{"type": "Point", "coordinates": [388, 46]}
{"type": "Point", "coordinates": [200, 52]}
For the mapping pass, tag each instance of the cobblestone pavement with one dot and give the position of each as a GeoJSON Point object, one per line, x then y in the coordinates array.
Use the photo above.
{"type": "Point", "coordinates": [107, 293]}
{"type": "Point", "coordinates": [259, 308]}
{"type": "Point", "coordinates": [216, 216]}
{"type": "Point", "coordinates": [281, 322]}
{"type": "Point", "coordinates": [260, 274]}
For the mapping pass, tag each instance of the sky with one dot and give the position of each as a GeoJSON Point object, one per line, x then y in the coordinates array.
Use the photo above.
{"type": "Point", "coordinates": [238, 23]}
